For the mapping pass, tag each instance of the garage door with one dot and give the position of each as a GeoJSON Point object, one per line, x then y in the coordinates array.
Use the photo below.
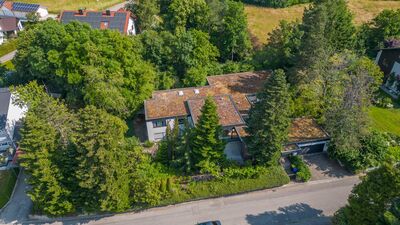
{"type": "Point", "coordinates": [313, 148]}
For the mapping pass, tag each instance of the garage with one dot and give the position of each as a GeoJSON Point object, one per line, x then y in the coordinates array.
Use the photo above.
{"type": "Point", "coordinates": [313, 148]}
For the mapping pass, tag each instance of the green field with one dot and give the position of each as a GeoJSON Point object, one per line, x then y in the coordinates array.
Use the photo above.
{"type": "Point", "coordinates": [55, 6]}
{"type": "Point", "coordinates": [263, 20]}
{"type": "Point", "coordinates": [7, 182]}
{"type": "Point", "coordinates": [387, 120]}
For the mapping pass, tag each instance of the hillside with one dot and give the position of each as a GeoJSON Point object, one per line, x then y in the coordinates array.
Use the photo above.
{"type": "Point", "coordinates": [263, 20]}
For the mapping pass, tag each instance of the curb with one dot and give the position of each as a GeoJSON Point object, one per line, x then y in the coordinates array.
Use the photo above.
{"type": "Point", "coordinates": [13, 192]}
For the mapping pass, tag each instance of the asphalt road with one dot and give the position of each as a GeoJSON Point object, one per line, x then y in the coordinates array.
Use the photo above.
{"type": "Point", "coordinates": [299, 204]}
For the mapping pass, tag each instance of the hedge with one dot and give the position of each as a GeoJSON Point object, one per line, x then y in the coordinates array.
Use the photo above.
{"type": "Point", "coordinates": [267, 178]}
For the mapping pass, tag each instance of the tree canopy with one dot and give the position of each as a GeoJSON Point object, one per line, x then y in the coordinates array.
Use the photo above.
{"type": "Point", "coordinates": [88, 67]}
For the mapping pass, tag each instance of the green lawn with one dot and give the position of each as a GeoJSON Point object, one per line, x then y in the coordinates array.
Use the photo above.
{"type": "Point", "coordinates": [55, 6]}
{"type": "Point", "coordinates": [387, 120]}
{"type": "Point", "coordinates": [8, 47]}
{"type": "Point", "coordinates": [7, 182]}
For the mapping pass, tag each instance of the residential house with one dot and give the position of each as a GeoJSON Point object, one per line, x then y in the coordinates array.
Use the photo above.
{"type": "Point", "coordinates": [388, 59]}
{"type": "Point", "coordinates": [114, 20]}
{"type": "Point", "coordinates": [10, 117]}
{"type": "Point", "coordinates": [9, 27]}
{"type": "Point", "coordinates": [22, 10]}
{"type": "Point", "coordinates": [234, 94]}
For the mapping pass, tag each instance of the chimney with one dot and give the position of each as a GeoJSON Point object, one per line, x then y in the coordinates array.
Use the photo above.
{"type": "Point", "coordinates": [108, 12]}
{"type": "Point", "coordinates": [80, 11]}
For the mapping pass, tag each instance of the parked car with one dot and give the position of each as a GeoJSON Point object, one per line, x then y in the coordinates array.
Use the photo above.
{"type": "Point", "coordinates": [217, 222]}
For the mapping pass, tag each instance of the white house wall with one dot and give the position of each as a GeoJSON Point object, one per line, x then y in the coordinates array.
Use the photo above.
{"type": "Point", "coordinates": [131, 27]}
{"type": "Point", "coordinates": [15, 114]}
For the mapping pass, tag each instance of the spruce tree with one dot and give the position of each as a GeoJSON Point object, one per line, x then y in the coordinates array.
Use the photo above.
{"type": "Point", "coordinates": [208, 148]}
{"type": "Point", "coordinates": [45, 140]}
{"type": "Point", "coordinates": [103, 170]}
{"type": "Point", "coordinates": [269, 120]}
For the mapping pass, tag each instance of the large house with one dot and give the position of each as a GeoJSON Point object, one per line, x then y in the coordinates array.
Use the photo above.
{"type": "Point", "coordinates": [388, 59]}
{"type": "Point", "coordinates": [234, 94]}
{"type": "Point", "coordinates": [120, 20]}
{"type": "Point", "coordinates": [22, 10]}
{"type": "Point", "coordinates": [10, 117]}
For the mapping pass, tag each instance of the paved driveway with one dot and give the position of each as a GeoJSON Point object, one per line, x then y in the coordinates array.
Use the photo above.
{"type": "Point", "coordinates": [20, 205]}
{"type": "Point", "coordinates": [322, 167]}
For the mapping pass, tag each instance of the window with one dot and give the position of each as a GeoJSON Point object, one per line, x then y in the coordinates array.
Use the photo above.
{"type": "Point", "coordinates": [159, 123]}
{"type": "Point", "coordinates": [181, 121]}
{"type": "Point", "coordinates": [252, 98]}
{"type": "Point", "coordinates": [159, 136]}
{"type": "Point", "coordinates": [104, 25]}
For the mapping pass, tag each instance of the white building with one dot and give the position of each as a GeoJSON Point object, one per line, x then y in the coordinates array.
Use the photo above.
{"type": "Point", "coordinates": [22, 10]}
{"type": "Point", "coordinates": [10, 116]}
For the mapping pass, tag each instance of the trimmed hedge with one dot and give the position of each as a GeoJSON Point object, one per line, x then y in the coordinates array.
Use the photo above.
{"type": "Point", "coordinates": [303, 174]}
{"type": "Point", "coordinates": [247, 181]}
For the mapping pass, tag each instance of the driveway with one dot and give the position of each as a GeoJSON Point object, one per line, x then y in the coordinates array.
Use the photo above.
{"type": "Point", "coordinates": [310, 203]}
{"type": "Point", "coordinates": [322, 167]}
{"type": "Point", "coordinates": [20, 205]}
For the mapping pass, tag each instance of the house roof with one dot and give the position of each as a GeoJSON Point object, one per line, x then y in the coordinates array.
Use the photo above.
{"type": "Point", "coordinates": [116, 20]}
{"type": "Point", "coordinates": [19, 6]}
{"type": "Point", "coordinates": [305, 130]}
{"type": "Point", "coordinates": [8, 23]}
{"type": "Point", "coordinates": [172, 103]}
{"type": "Point", "coordinates": [387, 59]}
{"type": "Point", "coordinates": [5, 97]}
{"type": "Point", "coordinates": [301, 130]}
{"type": "Point", "coordinates": [227, 112]}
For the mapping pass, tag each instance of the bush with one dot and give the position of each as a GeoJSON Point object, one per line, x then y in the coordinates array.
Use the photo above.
{"type": "Point", "coordinates": [268, 178]}
{"type": "Point", "coordinates": [303, 172]}
{"type": "Point", "coordinates": [148, 144]}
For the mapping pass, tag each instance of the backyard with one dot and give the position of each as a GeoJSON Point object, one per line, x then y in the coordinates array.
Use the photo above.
{"type": "Point", "coordinates": [387, 120]}
{"type": "Point", "coordinates": [7, 182]}
{"type": "Point", "coordinates": [58, 5]}
{"type": "Point", "coordinates": [263, 20]}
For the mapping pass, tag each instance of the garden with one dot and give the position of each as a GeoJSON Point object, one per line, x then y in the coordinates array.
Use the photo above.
{"type": "Point", "coordinates": [7, 183]}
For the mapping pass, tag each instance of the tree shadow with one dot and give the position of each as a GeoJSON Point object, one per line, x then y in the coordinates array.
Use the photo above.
{"type": "Point", "coordinates": [324, 166]}
{"type": "Point", "coordinates": [299, 214]}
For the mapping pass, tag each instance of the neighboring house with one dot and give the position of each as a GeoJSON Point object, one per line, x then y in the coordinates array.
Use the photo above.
{"type": "Point", "coordinates": [388, 60]}
{"type": "Point", "coordinates": [22, 10]}
{"type": "Point", "coordinates": [10, 117]}
{"type": "Point", "coordinates": [113, 20]}
{"type": "Point", "coordinates": [234, 94]}
{"type": "Point", "coordinates": [9, 27]}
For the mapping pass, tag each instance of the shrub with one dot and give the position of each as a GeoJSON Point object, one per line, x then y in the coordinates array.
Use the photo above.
{"type": "Point", "coordinates": [268, 177]}
{"type": "Point", "coordinates": [148, 144]}
{"type": "Point", "coordinates": [303, 172]}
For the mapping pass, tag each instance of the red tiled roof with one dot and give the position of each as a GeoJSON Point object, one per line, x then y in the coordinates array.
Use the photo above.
{"type": "Point", "coordinates": [172, 103]}
{"type": "Point", "coordinates": [301, 130]}
{"type": "Point", "coordinates": [227, 112]}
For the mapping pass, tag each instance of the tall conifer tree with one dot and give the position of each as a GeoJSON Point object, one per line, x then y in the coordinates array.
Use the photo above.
{"type": "Point", "coordinates": [269, 120]}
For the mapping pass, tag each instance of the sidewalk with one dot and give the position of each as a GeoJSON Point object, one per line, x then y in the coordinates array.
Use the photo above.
{"type": "Point", "coordinates": [8, 57]}
{"type": "Point", "coordinates": [20, 204]}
